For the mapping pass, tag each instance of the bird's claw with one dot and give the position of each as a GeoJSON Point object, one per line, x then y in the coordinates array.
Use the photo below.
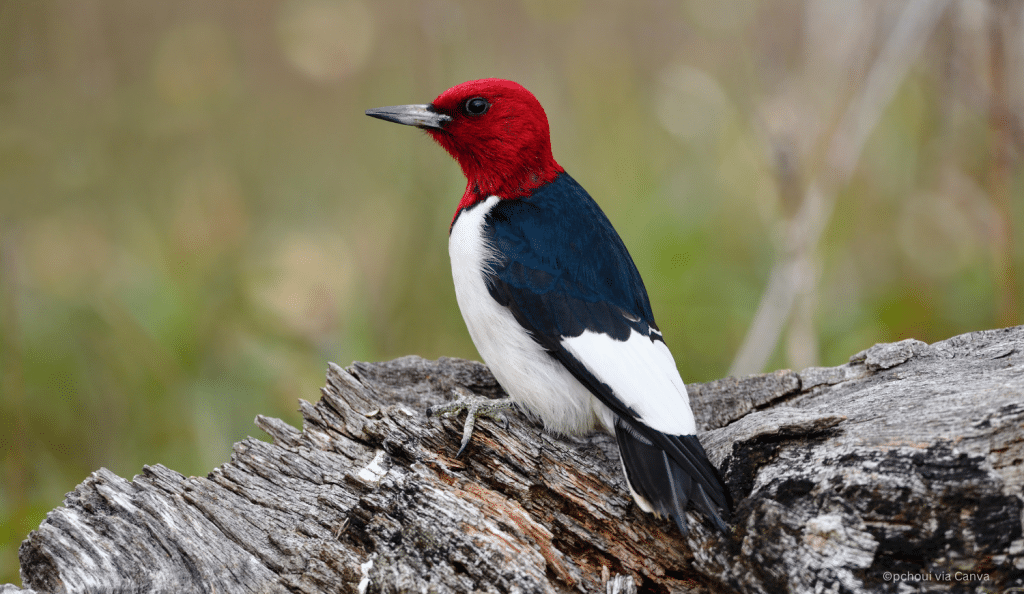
{"type": "Point", "coordinates": [475, 407]}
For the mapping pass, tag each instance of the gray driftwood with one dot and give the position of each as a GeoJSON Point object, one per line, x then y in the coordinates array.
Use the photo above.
{"type": "Point", "coordinates": [909, 460]}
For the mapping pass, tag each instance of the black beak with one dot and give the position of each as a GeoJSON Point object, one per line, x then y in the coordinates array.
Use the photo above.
{"type": "Point", "coordinates": [421, 116]}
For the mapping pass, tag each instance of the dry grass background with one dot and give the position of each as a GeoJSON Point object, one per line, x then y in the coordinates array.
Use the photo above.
{"type": "Point", "coordinates": [195, 214]}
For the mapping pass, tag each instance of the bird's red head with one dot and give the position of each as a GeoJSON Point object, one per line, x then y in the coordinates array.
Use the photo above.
{"type": "Point", "coordinates": [498, 133]}
{"type": "Point", "coordinates": [494, 128]}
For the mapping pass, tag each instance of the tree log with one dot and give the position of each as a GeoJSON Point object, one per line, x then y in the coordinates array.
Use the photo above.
{"type": "Point", "coordinates": [900, 471]}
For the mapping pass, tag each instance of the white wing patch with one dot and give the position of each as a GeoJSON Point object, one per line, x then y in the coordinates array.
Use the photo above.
{"type": "Point", "coordinates": [642, 374]}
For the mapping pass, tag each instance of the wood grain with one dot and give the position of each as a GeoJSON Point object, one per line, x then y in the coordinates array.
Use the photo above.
{"type": "Point", "coordinates": [909, 459]}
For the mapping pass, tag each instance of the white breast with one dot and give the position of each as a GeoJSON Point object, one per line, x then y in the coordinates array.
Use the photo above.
{"type": "Point", "coordinates": [533, 378]}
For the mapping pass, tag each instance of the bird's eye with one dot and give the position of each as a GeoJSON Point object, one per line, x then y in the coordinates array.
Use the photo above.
{"type": "Point", "coordinates": [476, 106]}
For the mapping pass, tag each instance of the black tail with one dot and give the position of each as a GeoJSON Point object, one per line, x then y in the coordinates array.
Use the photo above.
{"type": "Point", "coordinates": [670, 471]}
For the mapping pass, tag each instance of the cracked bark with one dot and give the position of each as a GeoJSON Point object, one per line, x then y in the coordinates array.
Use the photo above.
{"type": "Point", "coordinates": [909, 459]}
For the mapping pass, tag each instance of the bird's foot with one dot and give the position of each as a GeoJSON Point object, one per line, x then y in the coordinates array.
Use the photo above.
{"type": "Point", "coordinates": [475, 407]}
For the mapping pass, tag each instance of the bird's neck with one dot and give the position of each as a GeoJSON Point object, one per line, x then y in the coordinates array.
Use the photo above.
{"type": "Point", "coordinates": [506, 183]}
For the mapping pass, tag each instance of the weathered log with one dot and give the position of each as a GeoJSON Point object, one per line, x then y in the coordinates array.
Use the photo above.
{"type": "Point", "coordinates": [900, 471]}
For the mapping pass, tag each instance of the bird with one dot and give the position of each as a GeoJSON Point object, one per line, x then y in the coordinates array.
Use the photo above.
{"type": "Point", "coordinates": [554, 303]}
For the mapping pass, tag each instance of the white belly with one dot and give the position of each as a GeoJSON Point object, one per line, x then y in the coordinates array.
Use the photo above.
{"type": "Point", "coordinates": [532, 377]}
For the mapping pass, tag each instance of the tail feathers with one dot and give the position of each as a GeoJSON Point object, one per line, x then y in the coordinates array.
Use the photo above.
{"type": "Point", "coordinates": [668, 472]}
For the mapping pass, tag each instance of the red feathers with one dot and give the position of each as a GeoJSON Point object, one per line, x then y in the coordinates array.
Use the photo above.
{"type": "Point", "coordinates": [502, 143]}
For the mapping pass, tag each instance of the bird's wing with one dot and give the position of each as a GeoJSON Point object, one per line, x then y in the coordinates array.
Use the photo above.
{"type": "Point", "coordinates": [565, 275]}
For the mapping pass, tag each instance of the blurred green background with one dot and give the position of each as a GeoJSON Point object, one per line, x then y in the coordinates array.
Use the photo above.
{"type": "Point", "coordinates": [195, 214]}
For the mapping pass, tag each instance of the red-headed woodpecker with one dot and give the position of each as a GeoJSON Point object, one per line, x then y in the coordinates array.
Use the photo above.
{"type": "Point", "coordinates": [553, 300]}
